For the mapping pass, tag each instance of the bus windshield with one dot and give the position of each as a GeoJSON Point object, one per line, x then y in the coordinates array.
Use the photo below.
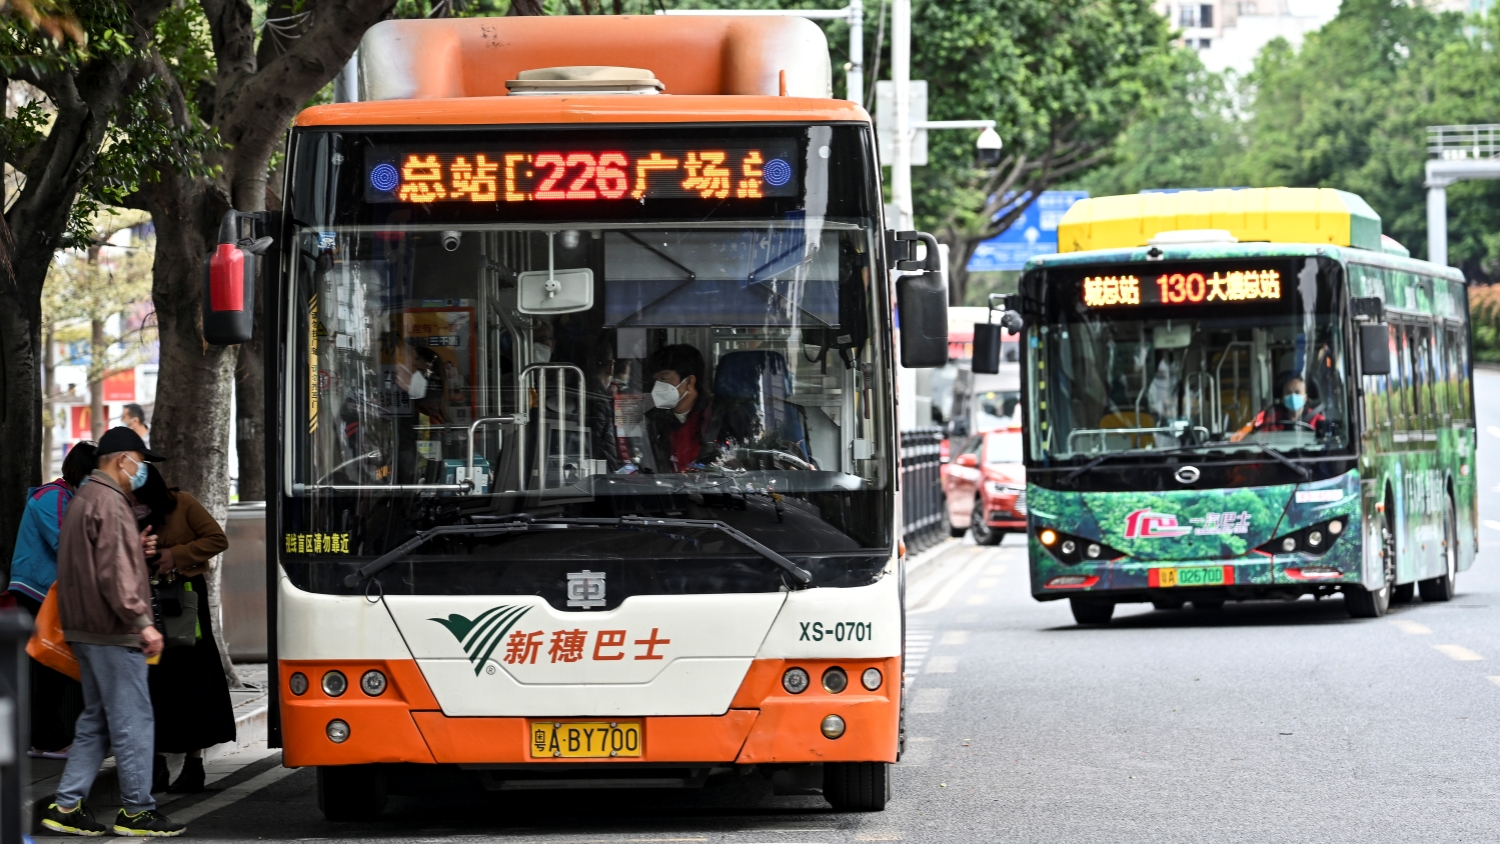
{"type": "Point", "coordinates": [701, 342]}
{"type": "Point", "coordinates": [1230, 356]}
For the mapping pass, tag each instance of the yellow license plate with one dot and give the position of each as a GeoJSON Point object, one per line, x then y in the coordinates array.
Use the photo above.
{"type": "Point", "coordinates": [1195, 576]}
{"type": "Point", "coordinates": [585, 739]}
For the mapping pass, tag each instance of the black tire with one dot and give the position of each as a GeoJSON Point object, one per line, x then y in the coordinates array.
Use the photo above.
{"type": "Point", "coordinates": [1360, 602]}
{"type": "Point", "coordinates": [1208, 604]}
{"type": "Point", "coordinates": [1403, 593]}
{"type": "Point", "coordinates": [1444, 587]}
{"type": "Point", "coordinates": [857, 786]}
{"type": "Point", "coordinates": [1168, 603]}
{"type": "Point", "coordinates": [1091, 611]}
{"type": "Point", "coordinates": [983, 533]}
{"type": "Point", "coordinates": [947, 523]}
{"type": "Point", "coordinates": [351, 792]}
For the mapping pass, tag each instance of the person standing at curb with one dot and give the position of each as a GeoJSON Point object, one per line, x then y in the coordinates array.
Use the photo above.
{"type": "Point", "coordinates": [104, 600]}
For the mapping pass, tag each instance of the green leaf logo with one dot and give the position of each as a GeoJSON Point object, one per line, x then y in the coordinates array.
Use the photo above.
{"type": "Point", "coordinates": [481, 635]}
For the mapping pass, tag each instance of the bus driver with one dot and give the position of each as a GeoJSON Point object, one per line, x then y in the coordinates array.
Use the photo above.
{"type": "Point", "coordinates": [1289, 413]}
{"type": "Point", "coordinates": [680, 424]}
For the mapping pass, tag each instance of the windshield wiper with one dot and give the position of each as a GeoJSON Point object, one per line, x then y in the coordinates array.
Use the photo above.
{"type": "Point", "coordinates": [526, 523]}
{"type": "Point", "coordinates": [1278, 456]}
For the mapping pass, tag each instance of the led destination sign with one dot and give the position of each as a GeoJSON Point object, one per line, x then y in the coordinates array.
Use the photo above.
{"type": "Point", "coordinates": [1181, 288]}
{"type": "Point", "coordinates": [622, 173]}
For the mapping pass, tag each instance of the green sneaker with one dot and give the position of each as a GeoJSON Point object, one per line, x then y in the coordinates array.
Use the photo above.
{"type": "Point", "coordinates": [74, 821]}
{"type": "Point", "coordinates": [147, 824]}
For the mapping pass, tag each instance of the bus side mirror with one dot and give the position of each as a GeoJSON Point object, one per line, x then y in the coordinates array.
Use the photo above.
{"type": "Point", "coordinates": [1375, 349]}
{"type": "Point", "coordinates": [229, 284]}
{"type": "Point", "coordinates": [921, 301]}
{"type": "Point", "coordinates": [986, 348]}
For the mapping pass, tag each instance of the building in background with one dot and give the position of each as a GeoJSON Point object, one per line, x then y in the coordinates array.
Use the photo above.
{"type": "Point", "coordinates": [1228, 34]}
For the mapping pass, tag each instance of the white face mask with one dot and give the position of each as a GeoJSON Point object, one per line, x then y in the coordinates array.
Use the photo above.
{"type": "Point", "coordinates": [418, 387]}
{"type": "Point", "coordinates": [540, 353]}
{"type": "Point", "coordinates": [665, 395]}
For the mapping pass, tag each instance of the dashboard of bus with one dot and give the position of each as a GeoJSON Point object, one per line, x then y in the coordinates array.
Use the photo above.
{"type": "Point", "coordinates": [1210, 362]}
{"type": "Point", "coordinates": [698, 334]}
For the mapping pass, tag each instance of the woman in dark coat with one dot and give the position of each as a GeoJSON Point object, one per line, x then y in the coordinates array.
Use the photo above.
{"type": "Point", "coordinates": [189, 692]}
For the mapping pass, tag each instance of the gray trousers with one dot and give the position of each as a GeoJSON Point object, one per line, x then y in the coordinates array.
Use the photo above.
{"type": "Point", "coordinates": [116, 714]}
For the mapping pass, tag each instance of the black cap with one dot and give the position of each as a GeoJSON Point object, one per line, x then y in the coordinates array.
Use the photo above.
{"type": "Point", "coordinates": [119, 439]}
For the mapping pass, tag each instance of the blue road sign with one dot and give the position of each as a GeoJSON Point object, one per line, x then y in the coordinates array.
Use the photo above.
{"type": "Point", "coordinates": [1033, 234]}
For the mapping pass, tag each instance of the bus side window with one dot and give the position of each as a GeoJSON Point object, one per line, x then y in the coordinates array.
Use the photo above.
{"type": "Point", "coordinates": [1422, 356]}
{"type": "Point", "coordinates": [1401, 392]}
{"type": "Point", "coordinates": [1442, 399]}
{"type": "Point", "coordinates": [1460, 352]}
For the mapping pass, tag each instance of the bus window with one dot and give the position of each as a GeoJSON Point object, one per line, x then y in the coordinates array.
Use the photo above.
{"type": "Point", "coordinates": [1401, 402]}
{"type": "Point", "coordinates": [1422, 375]}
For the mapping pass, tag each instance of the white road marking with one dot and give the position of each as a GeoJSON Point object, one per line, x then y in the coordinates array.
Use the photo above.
{"type": "Point", "coordinates": [1495, 680]}
{"type": "Point", "coordinates": [955, 637]}
{"type": "Point", "coordinates": [986, 582]}
{"type": "Point", "coordinates": [1494, 430]}
{"type": "Point", "coordinates": [1458, 652]}
{"type": "Point", "coordinates": [1492, 524]}
{"type": "Point", "coordinates": [942, 665]}
{"type": "Point", "coordinates": [918, 751]}
{"type": "Point", "coordinates": [231, 795]}
{"type": "Point", "coordinates": [1411, 627]}
{"type": "Point", "coordinates": [955, 582]}
{"type": "Point", "coordinates": [929, 701]}
{"type": "Point", "coordinates": [976, 600]}
{"type": "Point", "coordinates": [995, 571]}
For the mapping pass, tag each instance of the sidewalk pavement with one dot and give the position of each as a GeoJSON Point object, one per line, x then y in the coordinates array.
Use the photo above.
{"type": "Point", "coordinates": [219, 761]}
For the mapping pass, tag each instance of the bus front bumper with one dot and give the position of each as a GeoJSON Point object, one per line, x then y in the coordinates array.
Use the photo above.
{"type": "Point", "coordinates": [1246, 578]}
{"type": "Point", "coordinates": [405, 724]}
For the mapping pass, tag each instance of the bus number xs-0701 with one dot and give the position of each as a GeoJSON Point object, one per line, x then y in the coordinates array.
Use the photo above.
{"type": "Point", "coordinates": [843, 631]}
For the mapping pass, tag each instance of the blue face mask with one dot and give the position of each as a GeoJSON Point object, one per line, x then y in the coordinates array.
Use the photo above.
{"type": "Point", "coordinates": [1294, 401]}
{"type": "Point", "coordinates": [138, 480]}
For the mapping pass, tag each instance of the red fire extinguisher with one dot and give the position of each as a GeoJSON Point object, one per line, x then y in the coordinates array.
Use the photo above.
{"type": "Point", "coordinates": [229, 283]}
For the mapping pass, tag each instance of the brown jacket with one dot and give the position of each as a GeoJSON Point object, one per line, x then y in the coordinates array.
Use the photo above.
{"type": "Point", "coordinates": [103, 593]}
{"type": "Point", "coordinates": [193, 536]}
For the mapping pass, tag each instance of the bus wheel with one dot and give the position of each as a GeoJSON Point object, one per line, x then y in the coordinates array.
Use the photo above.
{"type": "Point", "coordinates": [857, 786]}
{"type": "Point", "coordinates": [351, 792]}
{"type": "Point", "coordinates": [1088, 611]}
{"type": "Point", "coordinates": [1360, 602]}
{"type": "Point", "coordinates": [983, 533]}
{"type": "Point", "coordinates": [1445, 587]}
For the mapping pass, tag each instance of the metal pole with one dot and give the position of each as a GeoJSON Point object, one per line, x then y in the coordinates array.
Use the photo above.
{"type": "Point", "coordinates": [854, 78]}
{"type": "Point", "coordinates": [15, 722]}
{"type": "Point", "coordinates": [901, 81]}
{"type": "Point", "coordinates": [1437, 222]}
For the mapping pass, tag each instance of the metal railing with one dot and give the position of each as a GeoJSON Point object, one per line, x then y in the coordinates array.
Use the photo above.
{"type": "Point", "coordinates": [921, 488]}
{"type": "Point", "coordinates": [1463, 143]}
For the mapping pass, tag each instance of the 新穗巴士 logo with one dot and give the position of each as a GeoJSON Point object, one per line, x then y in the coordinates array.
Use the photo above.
{"type": "Point", "coordinates": [480, 636]}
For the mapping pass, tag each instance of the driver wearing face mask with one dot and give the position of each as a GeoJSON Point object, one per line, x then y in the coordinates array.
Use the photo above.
{"type": "Point", "coordinates": [680, 424]}
{"type": "Point", "coordinates": [1289, 413]}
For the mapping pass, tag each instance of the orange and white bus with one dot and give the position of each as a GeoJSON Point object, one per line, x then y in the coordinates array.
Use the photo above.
{"type": "Point", "coordinates": [585, 468]}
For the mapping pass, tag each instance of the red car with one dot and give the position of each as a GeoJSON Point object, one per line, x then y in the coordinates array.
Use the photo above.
{"type": "Point", "coordinates": [985, 478]}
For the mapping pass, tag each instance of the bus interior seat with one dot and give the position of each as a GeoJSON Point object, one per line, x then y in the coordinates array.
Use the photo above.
{"type": "Point", "coordinates": [750, 395]}
{"type": "Point", "coordinates": [1118, 418]}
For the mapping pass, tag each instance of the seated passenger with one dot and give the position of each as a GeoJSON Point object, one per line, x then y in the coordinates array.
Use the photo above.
{"type": "Point", "coordinates": [680, 426]}
{"type": "Point", "coordinates": [1289, 413]}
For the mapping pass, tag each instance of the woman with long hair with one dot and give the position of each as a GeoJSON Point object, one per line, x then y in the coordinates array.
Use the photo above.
{"type": "Point", "coordinates": [189, 692]}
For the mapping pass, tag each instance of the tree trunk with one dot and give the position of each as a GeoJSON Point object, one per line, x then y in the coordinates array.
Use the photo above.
{"type": "Point", "coordinates": [98, 346]}
{"type": "Point", "coordinates": [20, 411]}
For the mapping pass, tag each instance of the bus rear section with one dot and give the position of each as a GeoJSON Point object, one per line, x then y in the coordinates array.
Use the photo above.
{"type": "Point", "coordinates": [587, 465]}
{"type": "Point", "coordinates": [1207, 410]}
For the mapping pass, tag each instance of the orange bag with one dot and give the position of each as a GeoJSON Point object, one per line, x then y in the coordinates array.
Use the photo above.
{"type": "Point", "coordinates": [47, 644]}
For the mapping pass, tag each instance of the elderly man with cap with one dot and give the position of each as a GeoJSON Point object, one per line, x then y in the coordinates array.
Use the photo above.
{"type": "Point", "coordinates": [104, 600]}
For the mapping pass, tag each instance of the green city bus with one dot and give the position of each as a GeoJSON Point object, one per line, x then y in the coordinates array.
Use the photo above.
{"type": "Point", "coordinates": [1237, 395]}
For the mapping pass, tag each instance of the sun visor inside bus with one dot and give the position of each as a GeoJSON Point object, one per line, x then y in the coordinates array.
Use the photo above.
{"type": "Point", "coordinates": [755, 277]}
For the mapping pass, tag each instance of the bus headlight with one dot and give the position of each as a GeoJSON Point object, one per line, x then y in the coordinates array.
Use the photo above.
{"type": "Point", "coordinates": [832, 726]}
{"type": "Point", "coordinates": [835, 680]}
{"type": "Point", "coordinates": [795, 681]}
{"type": "Point", "coordinates": [1070, 550]}
{"type": "Point", "coordinates": [1313, 539]}
{"type": "Point", "coordinates": [373, 683]}
{"type": "Point", "coordinates": [871, 679]}
{"type": "Point", "coordinates": [335, 683]}
{"type": "Point", "coordinates": [338, 731]}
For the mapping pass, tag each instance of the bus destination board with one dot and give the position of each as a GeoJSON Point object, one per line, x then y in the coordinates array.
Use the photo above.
{"type": "Point", "coordinates": [1193, 288]}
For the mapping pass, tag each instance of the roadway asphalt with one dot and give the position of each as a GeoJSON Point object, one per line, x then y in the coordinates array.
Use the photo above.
{"type": "Point", "coordinates": [1262, 722]}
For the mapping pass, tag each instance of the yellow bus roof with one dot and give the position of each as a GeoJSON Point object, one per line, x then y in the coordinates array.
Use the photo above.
{"type": "Point", "coordinates": [1274, 215]}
